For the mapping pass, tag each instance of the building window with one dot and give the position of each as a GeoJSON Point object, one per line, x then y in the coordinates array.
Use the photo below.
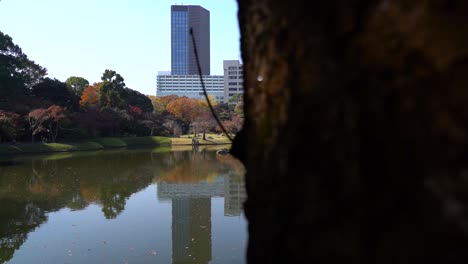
{"type": "Point", "coordinates": [232, 83]}
{"type": "Point", "coordinates": [231, 94]}
{"type": "Point", "coordinates": [232, 72]}
{"type": "Point", "coordinates": [232, 77]}
{"type": "Point", "coordinates": [231, 68]}
{"type": "Point", "coordinates": [232, 89]}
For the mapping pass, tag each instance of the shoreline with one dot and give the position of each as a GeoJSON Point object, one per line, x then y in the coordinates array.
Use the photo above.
{"type": "Point", "coordinates": [98, 144]}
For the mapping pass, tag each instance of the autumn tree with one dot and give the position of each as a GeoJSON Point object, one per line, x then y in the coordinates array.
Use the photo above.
{"type": "Point", "coordinates": [135, 111]}
{"type": "Point", "coordinates": [56, 117]}
{"type": "Point", "coordinates": [47, 121]}
{"type": "Point", "coordinates": [158, 105]}
{"type": "Point", "coordinates": [204, 122]}
{"type": "Point", "coordinates": [165, 100]}
{"type": "Point", "coordinates": [37, 118]}
{"type": "Point", "coordinates": [90, 96]}
{"type": "Point", "coordinates": [211, 99]}
{"type": "Point", "coordinates": [185, 110]}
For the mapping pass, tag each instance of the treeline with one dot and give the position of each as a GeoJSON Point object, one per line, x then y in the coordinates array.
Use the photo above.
{"type": "Point", "coordinates": [34, 107]}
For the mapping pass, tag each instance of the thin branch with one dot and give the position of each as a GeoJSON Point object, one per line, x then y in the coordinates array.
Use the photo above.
{"type": "Point", "coordinates": [204, 89]}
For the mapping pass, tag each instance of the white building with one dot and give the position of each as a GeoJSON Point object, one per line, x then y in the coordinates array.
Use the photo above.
{"type": "Point", "coordinates": [233, 78]}
{"type": "Point", "coordinates": [190, 85]}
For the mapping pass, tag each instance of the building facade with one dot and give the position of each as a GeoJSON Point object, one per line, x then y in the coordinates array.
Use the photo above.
{"type": "Point", "coordinates": [183, 60]}
{"type": "Point", "coordinates": [233, 79]}
{"type": "Point", "coordinates": [190, 86]}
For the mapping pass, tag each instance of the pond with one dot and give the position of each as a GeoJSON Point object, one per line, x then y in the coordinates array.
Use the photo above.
{"type": "Point", "coordinates": [163, 205]}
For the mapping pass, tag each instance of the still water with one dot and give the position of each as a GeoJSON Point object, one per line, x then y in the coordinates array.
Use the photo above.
{"type": "Point", "coordinates": [163, 205]}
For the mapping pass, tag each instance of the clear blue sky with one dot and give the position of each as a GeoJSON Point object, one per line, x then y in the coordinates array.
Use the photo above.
{"type": "Point", "coordinates": [85, 37]}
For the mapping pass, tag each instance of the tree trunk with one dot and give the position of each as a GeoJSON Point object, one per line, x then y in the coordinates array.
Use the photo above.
{"type": "Point", "coordinates": [356, 125]}
{"type": "Point", "coordinates": [204, 138]}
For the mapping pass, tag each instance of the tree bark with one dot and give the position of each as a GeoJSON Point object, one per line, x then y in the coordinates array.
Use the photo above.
{"type": "Point", "coordinates": [355, 133]}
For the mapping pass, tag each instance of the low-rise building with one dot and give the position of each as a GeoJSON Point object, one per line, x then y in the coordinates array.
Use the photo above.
{"type": "Point", "coordinates": [190, 85]}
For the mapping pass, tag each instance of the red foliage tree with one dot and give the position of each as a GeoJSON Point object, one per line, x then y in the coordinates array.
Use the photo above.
{"type": "Point", "coordinates": [135, 110]}
{"type": "Point", "coordinates": [46, 120]}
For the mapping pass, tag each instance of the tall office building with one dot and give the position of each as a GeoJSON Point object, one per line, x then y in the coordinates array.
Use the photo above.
{"type": "Point", "coordinates": [183, 61]}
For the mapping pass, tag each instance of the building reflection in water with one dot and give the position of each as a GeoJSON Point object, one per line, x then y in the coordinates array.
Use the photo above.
{"type": "Point", "coordinates": [234, 195]}
{"type": "Point", "coordinates": [191, 214]}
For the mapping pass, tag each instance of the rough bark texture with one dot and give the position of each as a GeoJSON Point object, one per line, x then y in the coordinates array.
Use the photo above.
{"type": "Point", "coordinates": [356, 130]}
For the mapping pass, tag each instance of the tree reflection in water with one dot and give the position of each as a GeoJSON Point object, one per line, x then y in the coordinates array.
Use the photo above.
{"type": "Point", "coordinates": [35, 186]}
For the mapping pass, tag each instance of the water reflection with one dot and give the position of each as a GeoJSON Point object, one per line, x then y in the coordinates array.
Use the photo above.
{"type": "Point", "coordinates": [190, 186]}
{"type": "Point", "coordinates": [32, 188]}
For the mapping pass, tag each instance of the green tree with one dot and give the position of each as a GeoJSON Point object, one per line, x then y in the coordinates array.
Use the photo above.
{"type": "Point", "coordinates": [112, 92]}
{"type": "Point", "coordinates": [138, 99]}
{"type": "Point", "coordinates": [235, 99]}
{"type": "Point", "coordinates": [239, 109]}
{"type": "Point", "coordinates": [56, 92]}
{"type": "Point", "coordinates": [17, 72]}
{"type": "Point", "coordinates": [224, 111]}
{"type": "Point", "coordinates": [77, 84]}
{"type": "Point", "coordinates": [9, 123]}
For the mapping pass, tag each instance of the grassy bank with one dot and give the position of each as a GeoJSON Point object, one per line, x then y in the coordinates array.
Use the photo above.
{"type": "Point", "coordinates": [93, 144]}
{"type": "Point", "coordinates": [108, 143]}
{"type": "Point", "coordinates": [48, 147]}
{"type": "Point", "coordinates": [211, 139]}
{"type": "Point", "coordinates": [133, 141]}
